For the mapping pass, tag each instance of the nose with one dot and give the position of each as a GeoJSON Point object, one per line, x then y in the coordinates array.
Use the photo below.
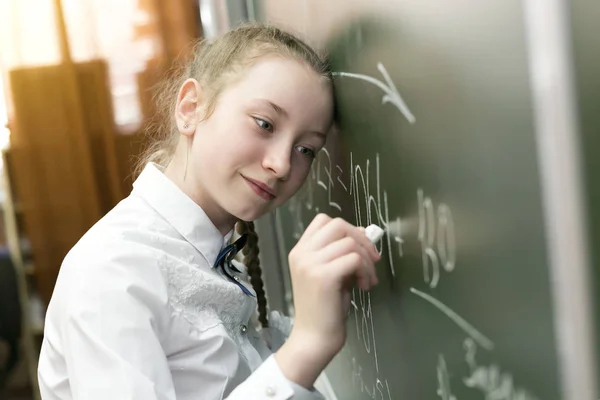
{"type": "Point", "coordinates": [277, 160]}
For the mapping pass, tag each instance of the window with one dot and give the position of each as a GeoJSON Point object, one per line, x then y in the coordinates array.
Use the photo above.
{"type": "Point", "coordinates": [125, 33]}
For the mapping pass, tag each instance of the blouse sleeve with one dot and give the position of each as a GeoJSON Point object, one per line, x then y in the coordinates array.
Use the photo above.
{"type": "Point", "coordinates": [268, 382]}
{"type": "Point", "coordinates": [275, 336]}
{"type": "Point", "coordinates": [106, 336]}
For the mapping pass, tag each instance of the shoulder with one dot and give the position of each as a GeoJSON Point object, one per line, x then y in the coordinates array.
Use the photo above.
{"type": "Point", "coordinates": [116, 259]}
{"type": "Point", "coordinates": [124, 239]}
{"type": "Point", "coordinates": [134, 254]}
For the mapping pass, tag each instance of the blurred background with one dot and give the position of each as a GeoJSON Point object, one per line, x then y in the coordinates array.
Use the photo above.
{"type": "Point", "coordinates": [75, 97]}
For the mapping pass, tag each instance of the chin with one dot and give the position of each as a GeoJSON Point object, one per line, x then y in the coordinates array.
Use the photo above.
{"type": "Point", "coordinates": [249, 215]}
{"type": "Point", "coordinates": [252, 212]}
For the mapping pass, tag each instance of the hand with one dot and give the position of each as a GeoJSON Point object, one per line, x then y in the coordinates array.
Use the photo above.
{"type": "Point", "coordinates": [331, 256]}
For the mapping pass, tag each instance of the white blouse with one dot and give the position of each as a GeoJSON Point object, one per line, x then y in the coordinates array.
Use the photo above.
{"type": "Point", "coordinates": [138, 313]}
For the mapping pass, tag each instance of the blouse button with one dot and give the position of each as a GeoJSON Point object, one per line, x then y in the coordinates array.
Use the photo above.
{"type": "Point", "coordinates": [243, 328]}
{"type": "Point", "coordinates": [270, 392]}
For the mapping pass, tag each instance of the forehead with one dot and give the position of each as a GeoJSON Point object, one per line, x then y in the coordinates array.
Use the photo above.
{"type": "Point", "coordinates": [290, 84]}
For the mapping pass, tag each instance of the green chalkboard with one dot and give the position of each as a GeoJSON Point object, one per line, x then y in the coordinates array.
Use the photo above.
{"type": "Point", "coordinates": [436, 143]}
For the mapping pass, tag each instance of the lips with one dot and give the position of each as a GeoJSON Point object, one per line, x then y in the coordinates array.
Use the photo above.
{"type": "Point", "coordinates": [260, 188]}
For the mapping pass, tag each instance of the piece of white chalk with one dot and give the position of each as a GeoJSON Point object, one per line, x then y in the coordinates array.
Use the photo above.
{"type": "Point", "coordinates": [374, 233]}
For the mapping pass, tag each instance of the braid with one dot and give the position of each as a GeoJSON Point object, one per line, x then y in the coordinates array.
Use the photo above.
{"type": "Point", "coordinates": [250, 252]}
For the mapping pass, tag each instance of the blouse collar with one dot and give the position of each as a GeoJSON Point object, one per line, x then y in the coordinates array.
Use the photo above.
{"type": "Point", "coordinates": [180, 211]}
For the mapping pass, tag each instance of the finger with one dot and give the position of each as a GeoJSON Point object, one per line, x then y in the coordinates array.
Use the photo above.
{"type": "Point", "coordinates": [317, 223]}
{"type": "Point", "coordinates": [340, 248]}
{"type": "Point", "coordinates": [351, 267]}
{"type": "Point", "coordinates": [345, 246]}
{"type": "Point", "coordinates": [369, 245]}
{"type": "Point", "coordinates": [332, 231]}
{"type": "Point", "coordinates": [363, 242]}
{"type": "Point", "coordinates": [339, 228]}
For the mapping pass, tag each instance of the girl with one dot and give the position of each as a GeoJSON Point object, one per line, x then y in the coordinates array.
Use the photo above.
{"type": "Point", "coordinates": [150, 305]}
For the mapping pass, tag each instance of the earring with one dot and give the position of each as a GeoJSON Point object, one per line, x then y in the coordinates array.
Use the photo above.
{"type": "Point", "coordinates": [185, 126]}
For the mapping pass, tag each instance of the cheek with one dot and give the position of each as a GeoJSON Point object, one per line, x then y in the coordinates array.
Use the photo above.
{"type": "Point", "coordinates": [245, 148]}
{"type": "Point", "coordinates": [238, 143]}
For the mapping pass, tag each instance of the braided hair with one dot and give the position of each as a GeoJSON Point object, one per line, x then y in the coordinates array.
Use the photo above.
{"type": "Point", "coordinates": [252, 262]}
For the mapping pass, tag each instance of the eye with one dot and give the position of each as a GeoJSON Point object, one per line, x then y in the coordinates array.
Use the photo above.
{"type": "Point", "coordinates": [305, 151]}
{"type": "Point", "coordinates": [266, 125]}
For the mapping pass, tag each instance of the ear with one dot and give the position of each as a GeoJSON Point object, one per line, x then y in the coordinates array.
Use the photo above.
{"type": "Point", "coordinates": [187, 113]}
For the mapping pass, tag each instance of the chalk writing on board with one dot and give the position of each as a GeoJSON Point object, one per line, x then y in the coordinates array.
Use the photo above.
{"type": "Point", "coordinates": [375, 391]}
{"type": "Point", "coordinates": [469, 329]}
{"type": "Point", "coordinates": [389, 88]}
{"type": "Point", "coordinates": [491, 380]}
{"type": "Point", "coordinates": [444, 390]}
{"type": "Point", "coordinates": [329, 186]}
{"type": "Point", "coordinates": [446, 244]}
{"type": "Point", "coordinates": [370, 203]}
{"type": "Point", "coordinates": [436, 236]}
{"type": "Point", "coordinates": [364, 329]}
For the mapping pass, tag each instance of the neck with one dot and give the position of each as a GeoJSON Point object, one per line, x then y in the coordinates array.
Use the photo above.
{"type": "Point", "coordinates": [187, 183]}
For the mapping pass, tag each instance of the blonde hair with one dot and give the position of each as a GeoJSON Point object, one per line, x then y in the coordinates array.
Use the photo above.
{"type": "Point", "coordinates": [215, 65]}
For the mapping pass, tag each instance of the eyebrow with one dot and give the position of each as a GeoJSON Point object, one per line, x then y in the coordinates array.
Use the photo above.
{"type": "Point", "coordinates": [278, 110]}
{"type": "Point", "coordinates": [320, 134]}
